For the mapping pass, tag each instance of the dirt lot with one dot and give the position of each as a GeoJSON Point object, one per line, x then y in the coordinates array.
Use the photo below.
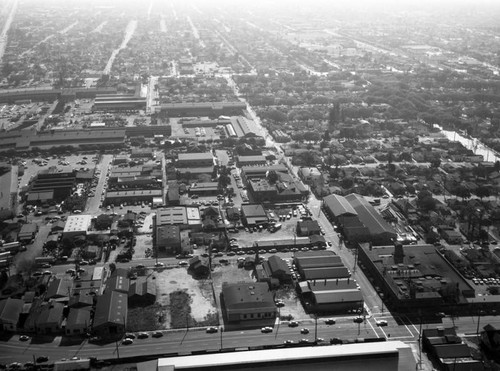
{"type": "Point", "coordinates": [229, 273]}
{"type": "Point", "coordinates": [144, 242]}
{"type": "Point", "coordinates": [292, 306]}
{"type": "Point", "coordinates": [200, 291]}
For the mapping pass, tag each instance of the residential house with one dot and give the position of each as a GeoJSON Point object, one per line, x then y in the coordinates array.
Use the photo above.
{"type": "Point", "coordinates": [50, 318]}
{"type": "Point", "coordinates": [276, 267]}
{"type": "Point", "coordinates": [142, 292]}
{"type": "Point", "coordinates": [10, 309]}
{"type": "Point", "coordinates": [78, 321]}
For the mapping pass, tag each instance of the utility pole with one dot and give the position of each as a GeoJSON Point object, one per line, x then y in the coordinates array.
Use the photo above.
{"type": "Point", "coordinates": [420, 341]}
{"type": "Point", "coordinates": [315, 327]}
{"type": "Point", "coordinates": [221, 331]}
{"type": "Point", "coordinates": [117, 350]}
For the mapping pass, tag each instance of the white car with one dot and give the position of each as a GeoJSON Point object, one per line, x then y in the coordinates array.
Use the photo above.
{"type": "Point", "coordinates": [381, 322]}
{"type": "Point", "coordinates": [159, 265]}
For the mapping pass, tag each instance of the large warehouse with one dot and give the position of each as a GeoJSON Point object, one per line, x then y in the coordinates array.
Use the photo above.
{"type": "Point", "coordinates": [358, 220]}
{"type": "Point", "coordinates": [414, 276]}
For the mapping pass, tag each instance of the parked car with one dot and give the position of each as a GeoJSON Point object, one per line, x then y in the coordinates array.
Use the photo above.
{"type": "Point", "coordinates": [304, 331]}
{"type": "Point", "coordinates": [330, 321]}
{"type": "Point", "coordinates": [293, 324]}
{"type": "Point", "coordinates": [381, 322]}
{"type": "Point", "coordinates": [358, 319]}
{"type": "Point", "coordinates": [157, 334]}
{"type": "Point", "coordinates": [142, 335]}
{"type": "Point", "coordinates": [266, 329]}
{"type": "Point", "coordinates": [211, 330]}
{"type": "Point", "coordinates": [127, 341]}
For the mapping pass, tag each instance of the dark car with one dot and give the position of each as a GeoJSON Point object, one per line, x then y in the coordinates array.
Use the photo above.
{"type": "Point", "coordinates": [142, 335]}
{"type": "Point", "coordinates": [335, 341]}
{"type": "Point", "coordinates": [330, 321]}
{"type": "Point", "coordinates": [41, 359]}
{"type": "Point", "coordinates": [358, 320]}
{"type": "Point", "coordinates": [211, 330]}
{"type": "Point", "coordinates": [157, 334]}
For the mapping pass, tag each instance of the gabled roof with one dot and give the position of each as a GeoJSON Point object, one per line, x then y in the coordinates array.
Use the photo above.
{"type": "Point", "coordinates": [142, 286]}
{"type": "Point", "coordinates": [10, 310]}
{"type": "Point", "coordinates": [81, 301]}
{"type": "Point", "coordinates": [51, 313]}
{"type": "Point", "coordinates": [59, 288]}
{"type": "Point", "coordinates": [369, 216]}
{"type": "Point", "coordinates": [111, 308]}
{"type": "Point", "coordinates": [275, 264]}
{"type": "Point", "coordinates": [78, 317]}
{"type": "Point", "coordinates": [118, 283]}
{"type": "Point", "coordinates": [338, 205]}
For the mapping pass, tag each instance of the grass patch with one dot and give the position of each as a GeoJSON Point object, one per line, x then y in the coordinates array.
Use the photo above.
{"type": "Point", "coordinates": [180, 312]}
{"type": "Point", "coordinates": [145, 318]}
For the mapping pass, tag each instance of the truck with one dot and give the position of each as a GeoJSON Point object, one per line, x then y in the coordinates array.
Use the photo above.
{"type": "Point", "coordinates": [45, 260]}
{"type": "Point", "coordinates": [11, 246]}
{"type": "Point", "coordinates": [5, 255]}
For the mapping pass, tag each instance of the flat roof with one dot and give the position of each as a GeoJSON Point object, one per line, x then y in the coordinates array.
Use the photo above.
{"type": "Point", "coordinates": [195, 156]}
{"type": "Point", "coordinates": [77, 223]}
{"type": "Point", "coordinates": [423, 263]}
{"type": "Point", "coordinates": [402, 351]}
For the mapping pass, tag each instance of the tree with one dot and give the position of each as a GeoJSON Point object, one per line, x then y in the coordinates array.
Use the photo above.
{"type": "Point", "coordinates": [224, 177]}
{"type": "Point", "coordinates": [103, 222]}
{"type": "Point", "coordinates": [462, 192]}
{"type": "Point", "coordinates": [435, 163]}
{"type": "Point", "coordinates": [272, 177]}
{"type": "Point", "coordinates": [482, 192]}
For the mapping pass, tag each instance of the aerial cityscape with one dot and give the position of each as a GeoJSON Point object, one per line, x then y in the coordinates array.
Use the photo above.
{"type": "Point", "coordinates": [236, 185]}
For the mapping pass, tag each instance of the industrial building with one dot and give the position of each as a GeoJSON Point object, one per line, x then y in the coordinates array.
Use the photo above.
{"type": "Point", "coordinates": [320, 265]}
{"type": "Point", "coordinates": [248, 302]}
{"type": "Point", "coordinates": [183, 216]}
{"type": "Point", "coordinates": [358, 220]}
{"type": "Point", "coordinates": [341, 295]}
{"type": "Point", "coordinates": [211, 109]}
{"type": "Point", "coordinates": [118, 102]}
{"type": "Point", "coordinates": [110, 316]}
{"type": "Point", "coordinates": [27, 139]}
{"type": "Point", "coordinates": [77, 225]}
{"type": "Point", "coordinates": [415, 276]}
{"type": "Point", "coordinates": [377, 356]}
{"type": "Point", "coordinates": [50, 185]}
{"type": "Point", "coordinates": [205, 159]}
{"type": "Point", "coordinates": [168, 238]}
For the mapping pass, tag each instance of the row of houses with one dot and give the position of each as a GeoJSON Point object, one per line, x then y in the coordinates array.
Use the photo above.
{"type": "Point", "coordinates": [89, 304]}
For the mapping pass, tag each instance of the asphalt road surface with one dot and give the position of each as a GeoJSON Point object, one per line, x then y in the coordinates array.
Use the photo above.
{"type": "Point", "coordinates": [183, 341]}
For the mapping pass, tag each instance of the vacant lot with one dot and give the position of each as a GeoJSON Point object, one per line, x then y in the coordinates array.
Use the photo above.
{"type": "Point", "coordinates": [146, 319]}
{"type": "Point", "coordinates": [293, 306]}
{"type": "Point", "coordinates": [201, 300]}
{"type": "Point", "coordinates": [144, 242]}
{"type": "Point", "coordinates": [229, 273]}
